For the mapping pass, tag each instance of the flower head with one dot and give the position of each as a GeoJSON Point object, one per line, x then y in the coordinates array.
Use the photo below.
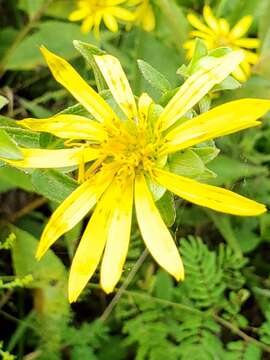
{"type": "Point", "coordinates": [122, 154]}
{"type": "Point", "coordinates": [144, 14]}
{"type": "Point", "coordinates": [92, 12]}
{"type": "Point", "coordinates": [217, 33]}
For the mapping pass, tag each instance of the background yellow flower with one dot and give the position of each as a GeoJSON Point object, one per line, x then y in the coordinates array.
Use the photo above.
{"type": "Point", "coordinates": [144, 14]}
{"type": "Point", "coordinates": [93, 12]}
{"type": "Point", "coordinates": [216, 33]}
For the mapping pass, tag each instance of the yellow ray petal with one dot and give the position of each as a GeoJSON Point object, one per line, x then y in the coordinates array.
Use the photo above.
{"type": "Point", "coordinates": [197, 86]}
{"type": "Point", "coordinates": [121, 13]}
{"type": "Point", "coordinates": [195, 22]}
{"type": "Point", "coordinates": [65, 74]}
{"type": "Point", "coordinates": [224, 27]}
{"type": "Point", "coordinates": [241, 28]}
{"type": "Point", "coordinates": [73, 209]}
{"type": "Point", "coordinates": [78, 14]}
{"type": "Point", "coordinates": [209, 196]}
{"type": "Point", "coordinates": [68, 127]}
{"type": "Point", "coordinates": [155, 234]}
{"type": "Point", "coordinates": [144, 104]}
{"type": "Point", "coordinates": [148, 20]}
{"type": "Point", "coordinates": [248, 43]}
{"type": "Point", "coordinates": [44, 158]}
{"type": "Point", "coordinates": [239, 74]}
{"type": "Point", "coordinates": [92, 244]}
{"type": "Point", "coordinates": [87, 24]}
{"type": "Point", "coordinates": [118, 235]}
{"type": "Point", "coordinates": [200, 34]}
{"type": "Point", "coordinates": [210, 19]}
{"type": "Point", "coordinates": [118, 84]}
{"type": "Point", "coordinates": [110, 22]}
{"type": "Point", "coordinates": [222, 120]}
{"type": "Point", "coordinates": [251, 57]}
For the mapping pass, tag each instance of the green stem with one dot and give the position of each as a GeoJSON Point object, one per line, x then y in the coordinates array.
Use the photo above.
{"type": "Point", "coordinates": [124, 286]}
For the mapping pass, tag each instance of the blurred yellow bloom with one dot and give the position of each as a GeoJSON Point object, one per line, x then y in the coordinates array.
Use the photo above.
{"type": "Point", "coordinates": [144, 14]}
{"type": "Point", "coordinates": [217, 33]}
{"type": "Point", "coordinates": [126, 153]}
{"type": "Point", "coordinates": [92, 12]}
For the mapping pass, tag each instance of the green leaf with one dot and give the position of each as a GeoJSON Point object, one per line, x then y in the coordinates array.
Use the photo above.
{"type": "Point", "coordinates": [8, 147]}
{"type": "Point", "coordinates": [11, 177]}
{"type": "Point", "coordinates": [167, 208]}
{"type": "Point", "coordinates": [206, 153]}
{"type": "Point", "coordinates": [225, 168]}
{"type": "Point", "coordinates": [53, 185]}
{"type": "Point", "coordinates": [228, 84]}
{"type": "Point", "coordinates": [186, 163]}
{"type": "Point", "coordinates": [27, 56]}
{"type": "Point", "coordinates": [154, 77]}
{"type": "Point", "coordinates": [23, 137]}
{"type": "Point", "coordinates": [87, 51]}
{"type": "Point", "coordinates": [164, 285]}
{"type": "Point", "coordinates": [76, 109]}
{"type": "Point", "coordinates": [3, 101]}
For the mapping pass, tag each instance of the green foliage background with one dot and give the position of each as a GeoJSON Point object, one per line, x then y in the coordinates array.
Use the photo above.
{"type": "Point", "coordinates": [222, 309]}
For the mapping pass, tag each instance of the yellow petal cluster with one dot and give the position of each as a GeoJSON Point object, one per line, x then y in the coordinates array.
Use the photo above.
{"type": "Point", "coordinates": [216, 32]}
{"type": "Point", "coordinates": [93, 12]}
{"type": "Point", "coordinates": [122, 153]}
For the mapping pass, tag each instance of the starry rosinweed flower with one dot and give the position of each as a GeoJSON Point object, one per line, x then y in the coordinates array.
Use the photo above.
{"type": "Point", "coordinates": [93, 12]}
{"type": "Point", "coordinates": [124, 154]}
{"type": "Point", "coordinates": [217, 32]}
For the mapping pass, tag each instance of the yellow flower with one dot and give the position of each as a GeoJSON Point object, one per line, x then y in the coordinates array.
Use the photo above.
{"type": "Point", "coordinates": [128, 152]}
{"type": "Point", "coordinates": [92, 12]}
{"type": "Point", "coordinates": [144, 14]}
{"type": "Point", "coordinates": [217, 32]}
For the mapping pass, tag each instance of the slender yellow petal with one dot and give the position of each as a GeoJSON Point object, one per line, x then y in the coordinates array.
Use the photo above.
{"type": "Point", "coordinates": [222, 120]}
{"type": "Point", "coordinates": [118, 235]}
{"type": "Point", "coordinates": [239, 74]}
{"type": "Point", "coordinates": [144, 104]}
{"type": "Point", "coordinates": [248, 43]}
{"type": "Point", "coordinates": [68, 127]}
{"type": "Point", "coordinates": [210, 19]}
{"type": "Point", "coordinates": [200, 34]}
{"type": "Point", "coordinates": [209, 196]}
{"type": "Point", "coordinates": [155, 234]}
{"type": "Point", "coordinates": [251, 57]}
{"type": "Point", "coordinates": [149, 21]}
{"type": "Point", "coordinates": [195, 22]}
{"type": "Point", "coordinates": [118, 84]}
{"type": "Point", "coordinates": [121, 13]}
{"type": "Point", "coordinates": [45, 158]}
{"type": "Point", "coordinates": [78, 14]}
{"type": "Point", "coordinates": [65, 74]}
{"type": "Point", "coordinates": [110, 22]}
{"type": "Point", "coordinates": [197, 86]}
{"type": "Point", "coordinates": [241, 27]}
{"type": "Point", "coordinates": [224, 27]}
{"type": "Point", "coordinates": [87, 24]}
{"type": "Point", "coordinates": [73, 209]}
{"type": "Point", "coordinates": [92, 244]}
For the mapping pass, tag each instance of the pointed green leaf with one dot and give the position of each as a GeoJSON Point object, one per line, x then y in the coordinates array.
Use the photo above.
{"type": "Point", "coordinates": [154, 77]}
{"type": "Point", "coordinates": [8, 147]}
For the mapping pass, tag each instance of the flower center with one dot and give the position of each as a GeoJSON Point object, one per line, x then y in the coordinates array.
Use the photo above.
{"type": "Point", "coordinates": [131, 153]}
